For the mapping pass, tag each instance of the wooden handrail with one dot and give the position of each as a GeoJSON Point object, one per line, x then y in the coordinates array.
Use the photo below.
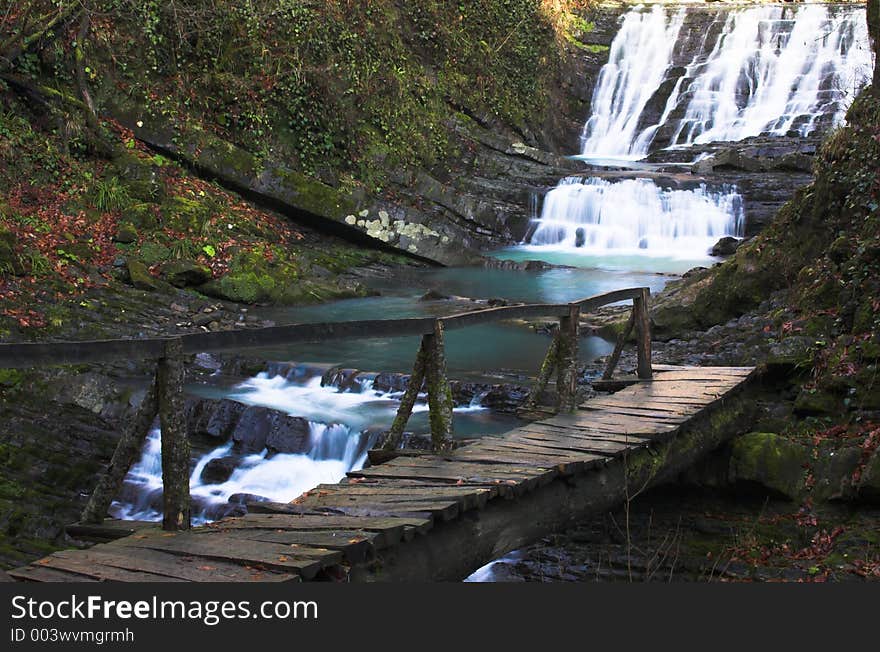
{"type": "Point", "coordinates": [166, 393]}
{"type": "Point", "coordinates": [27, 354]}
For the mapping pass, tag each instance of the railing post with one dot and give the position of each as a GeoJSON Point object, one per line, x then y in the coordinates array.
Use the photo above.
{"type": "Point", "coordinates": [567, 356]}
{"type": "Point", "coordinates": [130, 442]}
{"type": "Point", "coordinates": [440, 401]}
{"type": "Point", "coordinates": [175, 444]}
{"type": "Point", "coordinates": [642, 320]}
{"type": "Point", "coordinates": [618, 347]}
{"type": "Point", "coordinates": [409, 398]}
{"type": "Point", "coordinates": [544, 373]}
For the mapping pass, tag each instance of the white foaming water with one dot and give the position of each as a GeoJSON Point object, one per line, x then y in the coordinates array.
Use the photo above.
{"type": "Point", "coordinates": [637, 62]}
{"type": "Point", "coordinates": [334, 448]}
{"type": "Point", "coordinates": [772, 70]}
{"type": "Point", "coordinates": [635, 216]}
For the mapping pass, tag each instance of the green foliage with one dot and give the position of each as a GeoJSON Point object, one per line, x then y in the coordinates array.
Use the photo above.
{"type": "Point", "coordinates": [110, 194]}
{"type": "Point", "coordinates": [338, 88]}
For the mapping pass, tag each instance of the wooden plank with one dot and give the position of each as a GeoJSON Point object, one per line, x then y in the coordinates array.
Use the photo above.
{"type": "Point", "coordinates": [468, 497]}
{"type": "Point", "coordinates": [594, 447]}
{"type": "Point", "coordinates": [307, 562]}
{"type": "Point", "coordinates": [109, 530]}
{"type": "Point", "coordinates": [489, 315]}
{"type": "Point", "coordinates": [515, 478]}
{"type": "Point", "coordinates": [190, 568]}
{"type": "Point", "coordinates": [285, 516]}
{"type": "Point", "coordinates": [38, 573]}
{"type": "Point", "coordinates": [74, 562]}
{"type": "Point", "coordinates": [439, 507]}
{"type": "Point", "coordinates": [587, 436]}
{"type": "Point", "coordinates": [356, 546]}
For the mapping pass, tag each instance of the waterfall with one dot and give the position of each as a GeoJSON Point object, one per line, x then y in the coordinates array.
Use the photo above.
{"type": "Point", "coordinates": [768, 70]}
{"type": "Point", "coordinates": [637, 62]}
{"type": "Point", "coordinates": [636, 216]}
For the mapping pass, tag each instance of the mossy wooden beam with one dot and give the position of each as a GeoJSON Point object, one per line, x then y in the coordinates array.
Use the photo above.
{"type": "Point", "coordinates": [175, 444]}
{"type": "Point", "coordinates": [408, 400]}
{"type": "Point", "coordinates": [133, 435]}
{"type": "Point", "coordinates": [544, 373]}
{"type": "Point", "coordinates": [567, 360]}
{"type": "Point", "coordinates": [440, 401]}
{"type": "Point", "coordinates": [618, 347]}
{"type": "Point", "coordinates": [642, 320]}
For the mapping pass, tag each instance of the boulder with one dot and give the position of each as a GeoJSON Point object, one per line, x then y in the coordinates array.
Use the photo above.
{"type": "Point", "coordinates": [185, 273]}
{"type": "Point", "coordinates": [219, 470]}
{"type": "Point", "coordinates": [769, 461]}
{"type": "Point", "coordinates": [433, 295]}
{"type": "Point", "coordinates": [726, 246]}
{"type": "Point", "coordinates": [140, 276]}
{"type": "Point", "coordinates": [126, 234]}
{"type": "Point", "coordinates": [212, 417]}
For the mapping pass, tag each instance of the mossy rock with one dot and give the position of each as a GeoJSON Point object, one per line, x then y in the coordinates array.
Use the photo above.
{"type": "Point", "coordinates": [185, 273]}
{"type": "Point", "coordinates": [818, 402]}
{"type": "Point", "coordinates": [126, 234]}
{"type": "Point", "coordinates": [153, 252]}
{"type": "Point", "coordinates": [244, 287]}
{"type": "Point", "coordinates": [868, 487]}
{"type": "Point", "coordinates": [142, 178]}
{"type": "Point", "coordinates": [140, 276]}
{"type": "Point", "coordinates": [769, 461]}
{"type": "Point", "coordinates": [185, 214]}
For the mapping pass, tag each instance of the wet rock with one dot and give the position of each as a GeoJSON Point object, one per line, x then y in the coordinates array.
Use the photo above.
{"type": "Point", "coordinates": [244, 499]}
{"type": "Point", "coordinates": [391, 382]}
{"type": "Point", "coordinates": [344, 379]}
{"type": "Point", "coordinates": [580, 238]}
{"type": "Point", "coordinates": [219, 470]}
{"type": "Point", "coordinates": [214, 418]}
{"type": "Point", "coordinates": [288, 434]}
{"type": "Point", "coordinates": [726, 246]}
{"type": "Point", "coordinates": [217, 511]}
{"type": "Point", "coordinates": [433, 295]}
{"type": "Point", "coordinates": [185, 273]}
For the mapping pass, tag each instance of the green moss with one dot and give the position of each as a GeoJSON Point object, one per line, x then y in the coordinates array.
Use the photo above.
{"type": "Point", "coordinates": [769, 460]}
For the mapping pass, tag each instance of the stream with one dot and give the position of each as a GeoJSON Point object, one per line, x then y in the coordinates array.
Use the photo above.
{"type": "Point", "coordinates": [768, 70]}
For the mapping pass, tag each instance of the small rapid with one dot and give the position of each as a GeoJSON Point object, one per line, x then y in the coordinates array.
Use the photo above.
{"type": "Point", "coordinates": [343, 425]}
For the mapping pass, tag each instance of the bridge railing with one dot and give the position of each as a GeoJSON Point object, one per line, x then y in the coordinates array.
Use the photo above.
{"type": "Point", "coordinates": [165, 394]}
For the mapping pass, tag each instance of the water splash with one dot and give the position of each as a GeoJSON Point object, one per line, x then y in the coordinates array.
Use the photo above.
{"type": "Point", "coordinates": [635, 216]}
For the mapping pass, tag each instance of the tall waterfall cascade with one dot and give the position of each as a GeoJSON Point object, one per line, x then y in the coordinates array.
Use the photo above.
{"type": "Point", "coordinates": [763, 70]}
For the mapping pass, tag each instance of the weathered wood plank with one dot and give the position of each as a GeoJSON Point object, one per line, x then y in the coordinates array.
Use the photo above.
{"type": "Point", "coordinates": [356, 546]}
{"type": "Point", "coordinates": [110, 529]}
{"type": "Point", "coordinates": [284, 516]}
{"type": "Point", "coordinates": [73, 562]}
{"type": "Point", "coordinates": [306, 561]}
{"type": "Point", "coordinates": [190, 568]}
{"type": "Point", "coordinates": [38, 573]}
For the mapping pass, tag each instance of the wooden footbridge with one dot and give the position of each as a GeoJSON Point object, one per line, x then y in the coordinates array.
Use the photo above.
{"type": "Point", "coordinates": [410, 515]}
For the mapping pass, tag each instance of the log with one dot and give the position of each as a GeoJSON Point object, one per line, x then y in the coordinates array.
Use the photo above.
{"type": "Point", "coordinates": [409, 398]}
{"type": "Point", "coordinates": [547, 367]}
{"type": "Point", "coordinates": [440, 401]}
{"type": "Point", "coordinates": [567, 360]}
{"type": "Point", "coordinates": [618, 347]}
{"type": "Point", "coordinates": [175, 444]}
{"type": "Point", "coordinates": [642, 320]}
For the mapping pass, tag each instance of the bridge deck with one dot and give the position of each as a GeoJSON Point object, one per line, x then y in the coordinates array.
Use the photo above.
{"type": "Point", "coordinates": [334, 528]}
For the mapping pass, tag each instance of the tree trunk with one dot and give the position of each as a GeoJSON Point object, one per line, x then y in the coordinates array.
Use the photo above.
{"type": "Point", "coordinates": [440, 401]}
